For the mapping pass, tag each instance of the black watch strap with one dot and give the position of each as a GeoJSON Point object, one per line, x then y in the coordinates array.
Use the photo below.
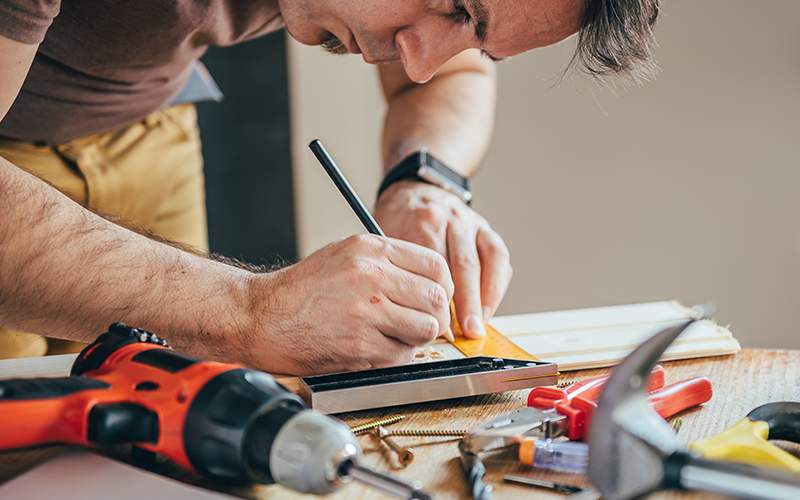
{"type": "Point", "coordinates": [424, 167]}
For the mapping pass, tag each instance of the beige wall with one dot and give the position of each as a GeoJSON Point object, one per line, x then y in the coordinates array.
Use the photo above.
{"type": "Point", "coordinates": [684, 188]}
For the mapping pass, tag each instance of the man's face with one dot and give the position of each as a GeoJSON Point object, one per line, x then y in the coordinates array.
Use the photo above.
{"type": "Point", "coordinates": [424, 34]}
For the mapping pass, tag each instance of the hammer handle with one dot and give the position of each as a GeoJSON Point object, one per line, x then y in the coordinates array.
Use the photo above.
{"type": "Point", "coordinates": [690, 472]}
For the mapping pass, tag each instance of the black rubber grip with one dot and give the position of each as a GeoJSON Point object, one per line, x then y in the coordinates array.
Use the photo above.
{"type": "Point", "coordinates": [783, 419]}
{"type": "Point", "coordinates": [219, 430]}
{"type": "Point", "coordinates": [672, 469]}
{"type": "Point", "coordinates": [25, 389]}
{"type": "Point", "coordinates": [120, 423]}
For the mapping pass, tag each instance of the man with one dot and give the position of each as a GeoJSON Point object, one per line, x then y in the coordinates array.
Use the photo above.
{"type": "Point", "coordinates": [91, 101]}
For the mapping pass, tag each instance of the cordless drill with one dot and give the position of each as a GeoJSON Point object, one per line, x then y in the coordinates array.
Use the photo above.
{"type": "Point", "coordinates": [224, 421]}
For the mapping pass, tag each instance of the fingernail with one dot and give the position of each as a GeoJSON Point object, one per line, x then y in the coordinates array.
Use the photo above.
{"type": "Point", "coordinates": [487, 313]}
{"type": "Point", "coordinates": [475, 326]}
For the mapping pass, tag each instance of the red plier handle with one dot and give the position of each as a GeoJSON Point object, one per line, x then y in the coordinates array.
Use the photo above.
{"type": "Point", "coordinates": [579, 401]}
{"type": "Point", "coordinates": [548, 397]}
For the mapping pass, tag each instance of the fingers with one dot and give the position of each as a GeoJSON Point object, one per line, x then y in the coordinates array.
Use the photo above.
{"type": "Point", "coordinates": [423, 262]}
{"type": "Point", "coordinates": [415, 279]}
{"type": "Point", "coordinates": [481, 269]}
{"type": "Point", "coordinates": [495, 270]}
{"type": "Point", "coordinates": [412, 327]}
{"type": "Point", "coordinates": [465, 266]}
{"type": "Point", "coordinates": [429, 314]}
{"type": "Point", "coordinates": [377, 352]}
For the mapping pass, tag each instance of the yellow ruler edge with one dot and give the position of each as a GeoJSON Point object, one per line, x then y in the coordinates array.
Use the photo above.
{"type": "Point", "coordinates": [494, 344]}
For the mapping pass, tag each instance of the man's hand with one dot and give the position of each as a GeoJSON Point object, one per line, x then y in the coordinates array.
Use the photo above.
{"type": "Point", "coordinates": [452, 116]}
{"type": "Point", "coordinates": [478, 258]}
{"type": "Point", "coordinates": [358, 303]}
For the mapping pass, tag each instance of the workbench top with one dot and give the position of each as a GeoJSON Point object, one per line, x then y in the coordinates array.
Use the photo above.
{"type": "Point", "coordinates": [741, 382]}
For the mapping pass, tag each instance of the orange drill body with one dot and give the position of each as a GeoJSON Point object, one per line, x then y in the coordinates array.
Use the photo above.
{"type": "Point", "coordinates": [128, 387]}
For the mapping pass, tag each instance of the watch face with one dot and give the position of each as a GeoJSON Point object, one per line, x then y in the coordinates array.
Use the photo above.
{"type": "Point", "coordinates": [444, 171]}
{"type": "Point", "coordinates": [438, 173]}
{"type": "Point", "coordinates": [427, 168]}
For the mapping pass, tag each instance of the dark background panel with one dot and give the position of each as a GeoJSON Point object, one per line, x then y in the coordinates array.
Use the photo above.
{"type": "Point", "coordinates": [247, 153]}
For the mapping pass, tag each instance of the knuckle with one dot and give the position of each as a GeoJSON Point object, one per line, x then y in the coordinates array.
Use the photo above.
{"type": "Point", "coordinates": [466, 261]}
{"type": "Point", "coordinates": [493, 293]}
{"type": "Point", "coordinates": [438, 264]}
{"type": "Point", "coordinates": [437, 297]}
{"type": "Point", "coordinates": [363, 242]}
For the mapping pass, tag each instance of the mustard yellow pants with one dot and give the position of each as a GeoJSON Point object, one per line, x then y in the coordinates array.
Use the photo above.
{"type": "Point", "coordinates": [150, 173]}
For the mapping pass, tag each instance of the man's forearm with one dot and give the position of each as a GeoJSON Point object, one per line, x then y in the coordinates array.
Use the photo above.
{"type": "Point", "coordinates": [452, 115]}
{"type": "Point", "coordinates": [65, 272]}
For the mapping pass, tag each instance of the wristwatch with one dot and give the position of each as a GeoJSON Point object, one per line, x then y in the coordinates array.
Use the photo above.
{"type": "Point", "coordinates": [426, 168]}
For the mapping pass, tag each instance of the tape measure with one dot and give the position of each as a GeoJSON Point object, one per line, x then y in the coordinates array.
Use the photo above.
{"type": "Point", "coordinates": [494, 344]}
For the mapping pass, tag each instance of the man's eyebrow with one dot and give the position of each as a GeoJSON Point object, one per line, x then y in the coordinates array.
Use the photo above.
{"type": "Point", "coordinates": [481, 19]}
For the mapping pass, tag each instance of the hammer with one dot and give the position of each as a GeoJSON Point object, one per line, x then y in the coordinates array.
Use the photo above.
{"type": "Point", "coordinates": [633, 452]}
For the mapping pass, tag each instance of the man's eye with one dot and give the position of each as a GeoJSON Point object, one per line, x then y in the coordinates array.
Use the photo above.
{"type": "Point", "coordinates": [460, 12]}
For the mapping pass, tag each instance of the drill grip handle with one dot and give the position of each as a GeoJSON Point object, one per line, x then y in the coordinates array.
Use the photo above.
{"type": "Point", "coordinates": [44, 410]}
{"type": "Point", "coordinates": [32, 389]}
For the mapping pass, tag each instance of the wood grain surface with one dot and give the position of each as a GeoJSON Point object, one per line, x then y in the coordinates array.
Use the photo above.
{"type": "Point", "coordinates": [741, 382]}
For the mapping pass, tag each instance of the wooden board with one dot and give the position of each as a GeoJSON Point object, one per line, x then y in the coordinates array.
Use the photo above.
{"type": "Point", "coordinates": [597, 337]}
{"type": "Point", "coordinates": [45, 366]}
{"type": "Point", "coordinates": [576, 340]}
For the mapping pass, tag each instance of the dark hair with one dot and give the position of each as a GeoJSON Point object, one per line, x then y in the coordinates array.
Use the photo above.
{"type": "Point", "coordinates": [617, 39]}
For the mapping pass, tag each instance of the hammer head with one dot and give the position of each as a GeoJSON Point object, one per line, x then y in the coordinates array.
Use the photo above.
{"type": "Point", "coordinates": [629, 440]}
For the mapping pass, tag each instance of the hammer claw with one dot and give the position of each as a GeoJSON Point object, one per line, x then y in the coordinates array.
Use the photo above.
{"type": "Point", "coordinates": [633, 452]}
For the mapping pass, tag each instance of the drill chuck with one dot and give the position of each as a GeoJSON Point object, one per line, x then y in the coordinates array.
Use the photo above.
{"type": "Point", "coordinates": [314, 453]}
{"type": "Point", "coordinates": [309, 451]}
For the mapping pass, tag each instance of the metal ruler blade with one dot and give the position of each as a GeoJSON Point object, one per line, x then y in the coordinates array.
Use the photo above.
{"type": "Point", "coordinates": [423, 382]}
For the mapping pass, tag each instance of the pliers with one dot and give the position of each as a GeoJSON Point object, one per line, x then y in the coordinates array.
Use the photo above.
{"type": "Point", "coordinates": [746, 442]}
{"type": "Point", "coordinates": [576, 403]}
{"type": "Point", "coordinates": [554, 412]}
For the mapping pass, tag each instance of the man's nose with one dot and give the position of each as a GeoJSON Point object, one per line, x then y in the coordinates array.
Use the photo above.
{"type": "Point", "coordinates": [423, 55]}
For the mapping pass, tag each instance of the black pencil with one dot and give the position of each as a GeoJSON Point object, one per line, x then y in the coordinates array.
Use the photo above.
{"type": "Point", "coordinates": [344, 187]}
{"type": "Point", "coordinates": [354, 201]}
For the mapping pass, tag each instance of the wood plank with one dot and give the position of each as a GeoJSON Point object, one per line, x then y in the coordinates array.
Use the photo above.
{"type": "Point", "coordinates": [45, 366]}
{"type": "Point", "coordinates": [602, 336]}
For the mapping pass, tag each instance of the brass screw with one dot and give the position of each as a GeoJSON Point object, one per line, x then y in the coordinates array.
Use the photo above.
{"type": "Point", "coordinates": [404, 455]}
{"type": "Point", "coordinates": [676, 425]}
{"type": "Point", "coordinates": [369, 426]}
{"type": "Point", "coordinates": [425, 432]}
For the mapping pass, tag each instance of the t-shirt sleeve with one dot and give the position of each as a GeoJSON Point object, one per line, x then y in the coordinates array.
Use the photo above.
{"type": "Point", "coordinates": [27, 21]}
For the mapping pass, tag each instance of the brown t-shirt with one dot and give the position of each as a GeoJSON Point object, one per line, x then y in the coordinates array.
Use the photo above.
{"type": "Point", "coordinates": [103, 64]}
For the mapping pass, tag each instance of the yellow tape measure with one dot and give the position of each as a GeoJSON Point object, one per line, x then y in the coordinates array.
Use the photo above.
{"type": "Point", "coordinates": [494, 344]}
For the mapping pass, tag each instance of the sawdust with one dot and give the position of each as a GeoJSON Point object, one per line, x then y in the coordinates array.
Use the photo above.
{"type": "Point", "coordinates": [428, 354]}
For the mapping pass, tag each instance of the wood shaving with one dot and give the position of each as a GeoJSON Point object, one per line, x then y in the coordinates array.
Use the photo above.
{"type": "Point", "coordinates": [428, 354]}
